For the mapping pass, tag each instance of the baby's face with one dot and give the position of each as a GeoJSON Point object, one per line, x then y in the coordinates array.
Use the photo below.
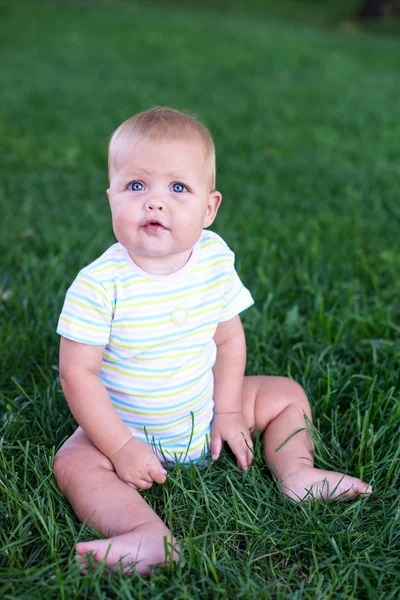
{"type": "Point", "coordinates": [160, 202]}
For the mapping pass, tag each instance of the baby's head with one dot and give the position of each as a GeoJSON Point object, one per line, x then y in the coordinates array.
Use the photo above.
{"type": "Point", "coordinates": [162, 124]}
{"type": "Point", "coordinates": [162, 187]}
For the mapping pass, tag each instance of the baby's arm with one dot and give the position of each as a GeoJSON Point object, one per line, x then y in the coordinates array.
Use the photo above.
{"type": "Point", "coordinates": [134, 461]}
{"type": "Point", "coordinates": [228, 423]}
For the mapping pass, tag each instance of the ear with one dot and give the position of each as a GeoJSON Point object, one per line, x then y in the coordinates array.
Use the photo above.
{"type": "Point", "coordinates": [214, 201]}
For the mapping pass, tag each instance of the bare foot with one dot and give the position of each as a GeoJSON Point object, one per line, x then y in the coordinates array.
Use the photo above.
{"type": "Point", "coordinates": [137, 550]}
{"type": "Point", "coordinates": [310, 483]}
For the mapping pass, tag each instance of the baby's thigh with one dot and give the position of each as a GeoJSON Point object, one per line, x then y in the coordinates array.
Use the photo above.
{"type": "Point", "coordinates": [78, 453]}
{"type": "Point", "coordinates": [265, 397]}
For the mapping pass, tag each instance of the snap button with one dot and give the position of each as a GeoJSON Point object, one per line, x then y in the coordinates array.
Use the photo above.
{"type": "Point", "coordinates": [179, 316]}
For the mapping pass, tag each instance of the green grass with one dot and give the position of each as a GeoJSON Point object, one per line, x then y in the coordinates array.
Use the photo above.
{"type": "Point", "coordinates": [306, 120]}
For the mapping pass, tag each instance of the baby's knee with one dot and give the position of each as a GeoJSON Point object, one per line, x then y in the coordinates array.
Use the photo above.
{"type": "Point", "coordinates": [73, 462]}
{"type": "Point", "coordinates": [289, 392]}
{"type": "Point", "coordinates": [295, 392]}
{"type": "Point", "coordinates": [62, 465]}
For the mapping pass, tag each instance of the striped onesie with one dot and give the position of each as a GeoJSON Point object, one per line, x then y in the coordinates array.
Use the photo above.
{"type": "Point", "coordinates": [158, 336]}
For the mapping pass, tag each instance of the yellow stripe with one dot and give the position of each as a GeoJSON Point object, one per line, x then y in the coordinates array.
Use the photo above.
{"type": "Point", "coordinates": [86, 305]}
{"type": "Point", "coordinates": [176, 355]}
{"type": "Point", "coordinates": [213, 264]}
{"type": "Point", "coordinates": [192, 448]}
{"type": "Point", "coordinates": [178, 439]}
{"type": "Point", "coordinates": [127, 284]}
{"type": "Point", "coordinates": [167, 320]}
{"type": "Point", "coordinates": [212, 243]}
{"type": "Point", "coordinates": [199, 445]}
{"type": "Point", "coordinates": [176, 298]}
{"type": "Point", "coordinates": [111, 266]}
{"type": "Point", "coordinates": [167, 447]}
{"type": "Point", "coordinates": [146, 358]}
{"type": "Point", "coordinates": [162, 396]}
{"type": "Point", "coordinates": [175, 411]}
{"type": "Point", "coordinates": [154, 344]}
{"type": "Point", "coordinates": [141, 325]}
{"type": "Point", "coordinates": [84, 325]}
{"type": "Point", "coordinates": [94, 288]}
{"type": "Point", "coordinates": [167, 427]}
{"type": "Point", "coordinates": [206, 311]}
{"type": "Point", "coordinates": [129, 374]}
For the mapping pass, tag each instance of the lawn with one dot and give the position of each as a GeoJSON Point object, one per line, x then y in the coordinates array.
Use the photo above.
{"type": "Point", "coordinates": [306, 119]}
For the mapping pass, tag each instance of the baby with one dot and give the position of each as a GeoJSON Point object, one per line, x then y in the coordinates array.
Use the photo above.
{"type": "Point", "coordinates": [153, 354]}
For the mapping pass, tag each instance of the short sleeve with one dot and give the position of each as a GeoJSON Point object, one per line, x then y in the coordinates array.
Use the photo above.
{"type": "Point", "coordinates": [87, 312]}
{"type": "Point", "coordinates": [236, 298]}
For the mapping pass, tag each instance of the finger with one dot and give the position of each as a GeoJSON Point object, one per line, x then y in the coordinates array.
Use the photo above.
{"type": "Point", "coordinates": [147, 478]}
{"type": "Point", "coordinates": [132, 485]}
{"type": "Point", "coordinates": [239, 449]}
{"type": "Point", "coordinates": [250, 457]}
{"type": "Point", "coordinates": [249, 453]}
{"type": "Point", "coordinates": [242, 461]}
{"type": "Point", "coordinates": [249, 441]}
{"type": "Point", "coordinates": [216, 446]}
{"type": "Point", "coordinates": [159, 474]}
{"type": "Point", "coordinates": [144, 485]}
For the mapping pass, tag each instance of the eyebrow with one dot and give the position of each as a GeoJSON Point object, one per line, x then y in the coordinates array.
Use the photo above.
{"type": "Point", "coordinates": [172, 175]}
{"type": "Point", "coordinates": [176, 176]}
{"type": "Point", "coordinates": [141, 171]}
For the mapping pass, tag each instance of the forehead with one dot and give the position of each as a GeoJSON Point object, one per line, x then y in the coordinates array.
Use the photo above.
{"type": "Point", "coordinates": [161, 156]}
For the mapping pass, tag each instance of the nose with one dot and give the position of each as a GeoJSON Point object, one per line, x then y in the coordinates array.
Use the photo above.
{"type": "Point", "coordinates": [155, 204]}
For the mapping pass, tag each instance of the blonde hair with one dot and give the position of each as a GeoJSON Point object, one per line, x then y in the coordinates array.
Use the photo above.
{"type": "Point", "coordinates": [163, 123]}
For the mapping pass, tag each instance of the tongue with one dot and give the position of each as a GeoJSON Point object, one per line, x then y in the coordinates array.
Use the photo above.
{"type": "Point", "coordinates": [153, 227]}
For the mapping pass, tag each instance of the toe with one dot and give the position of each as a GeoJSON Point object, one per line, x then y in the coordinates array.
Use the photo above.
{"type": "Point", "coordinates": [84, 547]}
{"type": "Point", "coordinates": [86, 556]}
{"type": "Point", "coordinates": [362, 488]}
{"type": "Point", "coordinates": [350, 487]}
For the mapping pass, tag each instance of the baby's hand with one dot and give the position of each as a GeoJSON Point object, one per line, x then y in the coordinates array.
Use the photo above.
{"type": "Point", "coordinates": [231, 428]}
{"type": "Point", "coordinates": [137, 465]}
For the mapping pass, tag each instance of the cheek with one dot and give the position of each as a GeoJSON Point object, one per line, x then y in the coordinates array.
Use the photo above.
{"type": "Point", "coordinates": [123, 215]}
{"type": "Point", "coordinates": [191, 216]}
{"type": "Point", "coordinates": [189, 220]}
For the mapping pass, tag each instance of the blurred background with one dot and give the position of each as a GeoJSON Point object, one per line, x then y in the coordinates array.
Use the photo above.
{"type": "Point", "coordinates": [302, 99]}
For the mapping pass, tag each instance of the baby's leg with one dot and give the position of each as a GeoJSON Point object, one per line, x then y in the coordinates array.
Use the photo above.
{"type": "Point", "coordinates": [277, 406]}
{"type": "Point", "coordinates": [87, 479]}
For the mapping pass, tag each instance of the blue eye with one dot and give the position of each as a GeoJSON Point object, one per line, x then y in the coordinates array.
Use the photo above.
{"type": "Point", "coordinates": [179, 188]}
{"type": "Point", "coordinates": [135, 186]}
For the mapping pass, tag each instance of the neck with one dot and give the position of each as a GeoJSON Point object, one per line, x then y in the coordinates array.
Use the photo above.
{"type": "Point", "coordinates": [162, 266]}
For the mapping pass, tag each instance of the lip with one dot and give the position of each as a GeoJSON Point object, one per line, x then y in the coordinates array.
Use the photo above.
{"type": "Point", "coordinates": [154, 226]}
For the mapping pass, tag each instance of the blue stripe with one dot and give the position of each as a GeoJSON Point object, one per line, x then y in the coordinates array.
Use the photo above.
{"type": "Point", "coordinates": [160, 437]}
{"type": "Point", "coordinates": [238, 308]}
{"type": "Point", "coordinates": [166, 351]}
{"type": "Point", "coordinates": [158, 338]}
{"type": "Point", "coordinates": [90, 301]}
{"type": "Point", "coordinates": [163, 352]}
{"type": "Point", "coordinates": [152, 409]}
{"type": "Point", "coordinates": [151, 317]}
{"type": "Point", "coordinates": [163, 423]}
{"type": "Point", "coordinates": [134, 391]}
{"type": "Point", "coordinates": [111, 260]}
{"type": "Point", "coordinates": [76, 338]}
{"type": "Point", "coordinates": [213, 257]}
{"type": "Point", "coordinates": [162, 444]}
{"type": "Point", "coordinates": [137, 368]}
{"type": "Point", "coordinates": [175, 291]}
{"type": "Point", "coordinates": [88, 321]}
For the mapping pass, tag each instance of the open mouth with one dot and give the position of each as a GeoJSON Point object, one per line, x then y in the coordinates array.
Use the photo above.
{"type": "Point", "coordinates": [154, 226]}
